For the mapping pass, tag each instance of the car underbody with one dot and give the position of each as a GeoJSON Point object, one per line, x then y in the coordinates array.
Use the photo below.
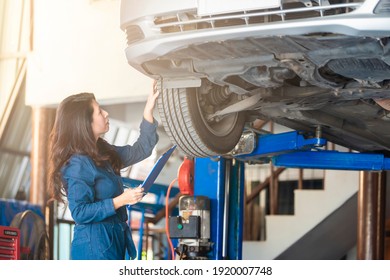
{"type": "Point", "coordinates": [335, 77]}
{"type": "Point", "coordinates": [340, 84]}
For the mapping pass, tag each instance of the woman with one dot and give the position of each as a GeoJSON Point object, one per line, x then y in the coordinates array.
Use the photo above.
{"type": "Point", "coordinates": [85, 170]}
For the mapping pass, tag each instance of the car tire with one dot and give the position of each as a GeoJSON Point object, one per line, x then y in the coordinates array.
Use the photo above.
{"type": "Point", "coordinates": [185, 123]}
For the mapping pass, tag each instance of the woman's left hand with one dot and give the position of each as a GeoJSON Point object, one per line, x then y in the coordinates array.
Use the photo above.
{"type": "Point", "coordinates": [151, 103]}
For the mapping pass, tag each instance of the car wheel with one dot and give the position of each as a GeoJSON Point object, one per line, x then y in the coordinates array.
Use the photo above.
{"type": "Point", "coordinates": [183, 115]}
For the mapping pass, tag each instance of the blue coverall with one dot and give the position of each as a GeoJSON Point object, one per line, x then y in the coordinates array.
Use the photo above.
{"type": "Point", "coordinates": [101, 232]}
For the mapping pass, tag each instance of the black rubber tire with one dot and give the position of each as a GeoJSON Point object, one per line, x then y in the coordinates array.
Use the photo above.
{"type": "Point", "coordinates": [183, 121]}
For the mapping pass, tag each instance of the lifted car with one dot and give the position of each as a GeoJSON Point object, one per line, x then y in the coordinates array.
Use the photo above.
{"type": "Point", "coordinates": [304, 64]}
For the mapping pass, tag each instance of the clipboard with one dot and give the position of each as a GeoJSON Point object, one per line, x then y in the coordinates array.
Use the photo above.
{"type": "Point", "coordinates": [158, 166]}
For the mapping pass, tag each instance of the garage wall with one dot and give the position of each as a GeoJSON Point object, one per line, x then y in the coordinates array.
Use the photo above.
{"type": "Point", "coordinates": [79, 47]}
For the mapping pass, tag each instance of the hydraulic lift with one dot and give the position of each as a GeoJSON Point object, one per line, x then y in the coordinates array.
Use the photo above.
{"type": "Point", "coordinates": [219, 235]}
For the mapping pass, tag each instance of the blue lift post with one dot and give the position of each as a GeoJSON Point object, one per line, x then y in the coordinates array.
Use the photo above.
{"type": "Point", "coordinates": [211, 182]}
{"type": "Point", "coordinates": [235, 218]}
{"type": "Point", "coordinates": [223, 182]}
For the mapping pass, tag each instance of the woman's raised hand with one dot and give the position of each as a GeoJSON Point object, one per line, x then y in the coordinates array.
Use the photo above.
{"type": "Point", "coordinates": [151, 103]}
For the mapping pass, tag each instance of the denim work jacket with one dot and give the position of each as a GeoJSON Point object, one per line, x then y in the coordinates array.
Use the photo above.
{"type": "Point", "coordinates": [101, 232]}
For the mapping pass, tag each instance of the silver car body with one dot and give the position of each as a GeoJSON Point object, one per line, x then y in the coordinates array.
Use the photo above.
{"type": "Point", "coordinates": [301, 63]}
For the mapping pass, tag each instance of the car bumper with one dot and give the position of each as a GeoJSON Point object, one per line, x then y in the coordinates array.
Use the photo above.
{"type": "Point", "coordinates": [148, 41]}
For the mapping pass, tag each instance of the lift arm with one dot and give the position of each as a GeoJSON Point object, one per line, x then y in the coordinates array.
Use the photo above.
{"type": "Point", "coordinates": [296, 149]}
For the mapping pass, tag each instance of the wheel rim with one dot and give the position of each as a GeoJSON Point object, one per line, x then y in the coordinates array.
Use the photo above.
{"type": "Point", "coordinates": [219, 128]}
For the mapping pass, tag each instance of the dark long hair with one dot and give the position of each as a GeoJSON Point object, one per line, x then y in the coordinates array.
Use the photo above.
{"type": "Point", "coordinates": [72, 134]}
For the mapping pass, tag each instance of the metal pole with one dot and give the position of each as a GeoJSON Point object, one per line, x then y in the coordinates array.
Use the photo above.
{"type": "Point", "coordinates": [273, 186]}
{"type": "Point", "coordinates": [381, 214]}
{"type": "Point", "coordinates": [371, 216]}
{"type": "Point", "coordinates": [273, 191]}
{"type": "Point", "coordinates": [226, 210]}
{"type": "Point", "coordinates": [42, 123]}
